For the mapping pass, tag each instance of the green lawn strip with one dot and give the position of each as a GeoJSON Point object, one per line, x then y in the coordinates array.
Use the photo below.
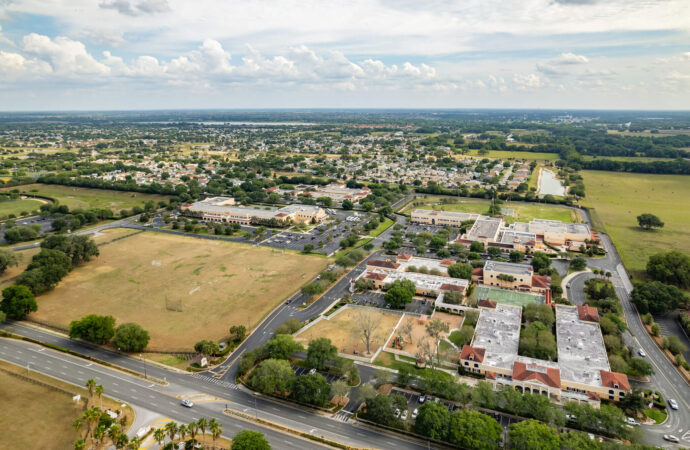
{"type": "Point", "coordinates": [383, 226]}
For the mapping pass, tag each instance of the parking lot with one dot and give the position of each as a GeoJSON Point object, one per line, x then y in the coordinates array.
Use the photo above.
{"type": "Point", "coordinates": [413, 402]}
{"type": "Point", "coordinates": [325, 238]}
{"type": "Point", "coordinates": [303, 371]}
{"type": "Point", "coordinates": [419, 228]}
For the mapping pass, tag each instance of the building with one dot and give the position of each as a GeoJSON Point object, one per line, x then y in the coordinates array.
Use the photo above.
{"type": "Point", "coordinates": [441, 218]}
{"type": "Point", "coordinates": [335, 191]}
{"type": "Point", "coordinates": [582, 372]}
{"type": "Point", "coordinates": [556, 233]}
{"type": "Point", "coordinates": [221, 209]}
{"type": "Point", "coordinates": [512, 276]}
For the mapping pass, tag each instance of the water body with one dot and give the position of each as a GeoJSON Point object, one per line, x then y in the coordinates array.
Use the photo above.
{"type": "Point", "coordinates": [549, 184]}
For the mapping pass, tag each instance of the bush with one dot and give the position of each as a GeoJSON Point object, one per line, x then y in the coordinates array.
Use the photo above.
{"type": "Point", "coordinates": [674, 345]}
{"type": "Point", "coordinates": [131, 337]}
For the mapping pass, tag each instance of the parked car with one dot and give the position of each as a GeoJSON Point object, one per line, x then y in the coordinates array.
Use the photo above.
{"type": "Point", "coordinates": [397, 413]}
{"type": "Point", "coordinates": [631, 421]}
{"type": "Point", "coordinates": [641, 353]}
{"type": "Point", "coordinates": [422, 398]}
{"type": "Point", "coordinates": [403, 416]}
{"type": "Point", "coordinates": [671, 438]}
{"type": "Point", "coordinates": [312, 371]}
{"type": "Point", "coordinates": [672, 403]}
{"type": "Point", "coordinates": [414, 413]}
{"type": "Point", "coordinates": [186, 403]}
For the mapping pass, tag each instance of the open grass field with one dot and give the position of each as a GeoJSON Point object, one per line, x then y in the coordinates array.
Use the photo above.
{"type": "Point", "coordinates": [649, 132]}
{"type": "Point", "coordinates": [524, 211]}
{"type": "Point", "coordinates": [503, 154]}
{"type": "Point", "coordinates": [180, 289]}
{"type": "Point", "coordinates": [18, 206]}
{"type": "Point", "coordinates": [76, 197]}
{"type": "Point", "coordinates": [618, 198]}
{"type": "Point", "coordinates": [341, 329]}
{"type": "Point", "coordinates": [626, 158]}
{"type": "Point", "coordinates": [35, 416]}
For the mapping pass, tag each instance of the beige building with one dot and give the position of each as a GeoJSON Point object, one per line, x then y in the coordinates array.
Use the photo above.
{"type": "Point", "coordinates": [441, 218]}
{"type": "Point", "coordinates": [220, 209]}
{"type": "Point", "coordinates": [512, 276]}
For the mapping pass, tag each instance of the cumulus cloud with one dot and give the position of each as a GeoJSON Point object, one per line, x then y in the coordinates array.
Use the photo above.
{"type": "Point", "coordinates": [561, 65]}
{"type": "Point", "coordinates": [528, 82]}
{"type": "Point", "coordinates": [570, 58]}
{"type": "Point", "coordinates": [65, 55]}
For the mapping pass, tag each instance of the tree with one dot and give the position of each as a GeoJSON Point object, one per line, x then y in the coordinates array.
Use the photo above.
{"type": "Point", "coordinates": [477, 247]}
{"type": "Point", "coordinates": [540, 261]}
{"type": "Point", "coordinates": [249, 440]}
{"type": "Point", "coordinates": [516, 256]}
{"type": "Point", "coordinates": [46, 269]}
{"type": "Point", "coordinates": [367, 326]}
{"type": "Point", "coordinates": [93, 328]}
{"type": "Point", "coordinates": [460, 270]}
{"type": "Point", "coordinates": [379, 409]}
{"type": "Point", "coordinates": [671, 267]}
{"type": "Point", "coordinates": [282, 346]}
{"type": "Point", "coordinates": [287, 327]}
{"type": "Point", "coordinates": [312, 289]}
{"type": "Point", "coordinates": [239, 332]}
{"type": "Point", "coordinates": [339, 388]}
{"type": "Point", "coordinates": [574, 440]}
{"type": "Point", "coordinates": [400, 293]}
{"type": "Point", "coordinates": [365, 392]}
{"type": "Point", "coordinates": [433, 420]}
{"type": "Point", "coordinates": [657, 298]}
{"type": "Point", "coordinates": [91, 386]}
{"type": "Point", "coordinates": [648, 221]}
{"type": "Point", "coordinates": [17, 302]}
{"type": "Point", "coordinates": [311, 388]}
{"type": "Point", "coordinates": [159, 436]}
{"type": "Point", "coordinates": [436, 329]}
{"type": "Point", "coordinates": [537, 341]}
{"type": "Point", "coordinates": [542, 313]}
{"type": "Point", "coordinates": [99, 393]}
{"type": "Point", "coordinates": [308, 248]}
{"type": "Point", "coordinates": [319, 351]}
{"type": "Point", "coordinates": [79, 248]}
{"type": "Point", "coordinates": [472, 429]}
{"type": "Point", "coordinates": [215, 429]}
{"type": "Point", "coordinates": [131, 337]}
{"type": "Point", "coordinates": [578, 264]}
{"type": "Point", "coordinates": [674, 345]}
{"type": "Point", "coordinates": [206, 347]}
{"type": "Point", "coordinates": [530, 434]}
{"type": "Point", "coordinates": [7, 258]}
{"type": "Point", "coordinates": [494, 251]}
{"type": "Point", "coordinates": [271, 376]}
{"type": "Point", "coordinates": [347, 205]}
{"type": "Point", "coordinates": [171, 429]}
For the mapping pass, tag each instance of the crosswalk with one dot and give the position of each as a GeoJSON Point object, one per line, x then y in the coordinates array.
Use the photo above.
{"type": "Point", "coordinates": [342, 416]}
{"type": "Point", "coordinates": [208, 379]}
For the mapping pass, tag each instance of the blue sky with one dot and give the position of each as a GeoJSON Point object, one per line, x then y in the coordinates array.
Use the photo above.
{"type": "Point", "coordinates": [151, 54]}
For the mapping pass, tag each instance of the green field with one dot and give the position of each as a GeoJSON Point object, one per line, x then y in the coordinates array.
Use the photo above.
{"type": "Point", "coordinates": [618, 198]}
{"type": "Point", "coordinates": [502, 154]}
{"type": "Point", "coordinates": [524, 211]}
{"type": "Point", "coordinates": [18, 207]}
{"type": "Point", "coordinates": [506, 297]}
{"type": "Point", "coordinates": [76, 197]}
{"type": "Point", "coordinates": [626, 158]}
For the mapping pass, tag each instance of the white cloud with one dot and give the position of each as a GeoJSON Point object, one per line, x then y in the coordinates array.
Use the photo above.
{"type": "Point", "coordinates": [143, 7]}
{"type": "Point", "coordinates": [570, 58]}
{"type": "Point", "coordinates": [528, 82]}
{"type": "Point", "coordinates": [13, 65]}
{"type": "Point", "coordinates": [65, 55]}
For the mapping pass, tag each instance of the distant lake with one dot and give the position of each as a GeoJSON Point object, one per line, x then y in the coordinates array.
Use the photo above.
{"type": "Point", "coordinates": [549, 184]}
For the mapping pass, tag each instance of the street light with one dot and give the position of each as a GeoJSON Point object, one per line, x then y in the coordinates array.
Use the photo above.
{"type": "Point", "coordinates": [144, 363]}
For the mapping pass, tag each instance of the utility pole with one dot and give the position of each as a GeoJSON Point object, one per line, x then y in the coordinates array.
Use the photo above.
{"type": "Point", "coordinates": [141, 357]}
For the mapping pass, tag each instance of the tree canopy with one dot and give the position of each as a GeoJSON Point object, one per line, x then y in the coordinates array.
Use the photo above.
{"type": "Point", "coordinates": [17, 302]}
{"type": "Point", "coordinates": [531, 434]}
{"type": "Point", "coordinates": [93, 328]}
{"type": "Point", "coordinates": [319, 351]}
{"type": "Point", "coordinates": [648, 221]}
{"type": "Point", "coordinates": [131, 337]}
{"type": "Point", "coordinates": [249, 440]}
{"type": "Point", "coordinates": [400, 293]}
{"type": "Point", "coordinates": [657, 298]}
{"type": "Point", "coordinates": [671, 267]}
{"type": "Point", "coordinates": [460, 270]}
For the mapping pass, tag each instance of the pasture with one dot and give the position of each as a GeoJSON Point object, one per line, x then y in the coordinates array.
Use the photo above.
{"type": "Point", "coordinates": [524, 212]}
{"type": "Point", "coordinates": [517, 155]}
{"type": "Point", "coordinates": [77, 197]}
{"type": "Point", "coordinates": [18, 207]}
{"type": "Point", "coordinates": [342, 329]}
{"type": "Point", "coordinates": [180, 289]}
{"type": "Point", "coordinates": [618, 198]}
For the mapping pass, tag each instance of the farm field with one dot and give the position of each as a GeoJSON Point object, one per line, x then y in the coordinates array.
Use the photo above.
{"type": "Point", "coordinates": [341, 329]}
{"type": "Point", "coordinates": [618, 198]}
{"type": "Point", "coordinates": [25, 402]}
{"type": "Point", "coordinates": [524, 211]}
{"type": "Point", "coordinates": [76, 197]}
{"type": "Point", "coordinates": [180, 289]}
{"type": "Point", "coordinates": [18, 206]}
{"type": "Point", "coordinates": [504, 154]}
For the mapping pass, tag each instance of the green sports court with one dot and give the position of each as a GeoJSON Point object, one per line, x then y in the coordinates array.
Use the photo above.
{"type": "Point", "coordinates": [504, 296]}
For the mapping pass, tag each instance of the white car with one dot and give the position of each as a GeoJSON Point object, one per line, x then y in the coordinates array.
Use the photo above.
{"type": "Point", "coordinates": [671, 438]}
{"type": "Point", "coordinates": [403, 416]}
{"type": "Point", "coordinates": [397, 413]}
{"type": "Point", "coordinates": [186, 403]}
{"type": "Point", "coordinates": [631, 421]}
{"type": "Point", "coordinates": [414, 413]}
{"type": "Point", "coordinates": [673, 404]}
{"type": "Point", "coordinates": [422, 398]}
{"type": "Point", "coordinates": [641, 353]}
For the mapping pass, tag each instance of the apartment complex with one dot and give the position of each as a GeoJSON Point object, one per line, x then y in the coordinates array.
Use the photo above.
{"type": "Point", "coordinates": [582, 372]}
{"type": "Point", "coordinates": [512, 276]}
{"type": "Point", "coordinates": [222, 209]}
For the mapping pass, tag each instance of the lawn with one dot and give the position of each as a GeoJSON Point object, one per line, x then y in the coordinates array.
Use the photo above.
{"type": "Point", "coordinates": [618, 198]}
{"type": "Point", "coordinates": [341, 329]}
{"type": "Point", "coordinates": [525, 211]}
{"type": "Point", "coordinates": [35, 416]}
{"type": "Point", "coordinates": [181, 289]}
{"type": "Point", "coordinates": [507, 297]}
{"type": "Point", "coordinates": [18, 206]}
{"type": "Point", "coordinates": [76, 197]}
{"type": "Point", "coordinates": [383, 226]}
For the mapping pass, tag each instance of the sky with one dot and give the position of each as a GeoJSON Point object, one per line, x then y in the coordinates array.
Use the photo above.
{"type": "Point", "coordinates": [179, 54]}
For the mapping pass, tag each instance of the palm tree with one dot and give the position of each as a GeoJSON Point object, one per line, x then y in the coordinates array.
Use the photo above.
{"type": "Point", "coordinates": [92, 416]}
{"type": "Point", "coordinates": [91, 385]}
{"type": "Point", "coordinates": [99, 434]}
{"type": "Point", "coordinates": [114, 432]}
{"type": "Point", "coordinates": [159, 436]}
{"type": "Point", "coordinates": [134, 443]}
{"type": "Point", "coordinates": [77, 424]}
{"type": "Point", "coordinates": [202, 424]}
{"type": "Point", "coordinates": [192, 427]}
{"type": "Point", "coordinates": [99, 392]}
{"type": "Point", "coordinates": [171, 429]}
{"type": "Point", "coordinates": [182, 431]}
{"type": "Point", "coordinates": [215, 429]}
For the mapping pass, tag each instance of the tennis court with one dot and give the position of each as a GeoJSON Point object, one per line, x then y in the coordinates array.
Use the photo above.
{"type": "Point", "coordinates": [504, 296]}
